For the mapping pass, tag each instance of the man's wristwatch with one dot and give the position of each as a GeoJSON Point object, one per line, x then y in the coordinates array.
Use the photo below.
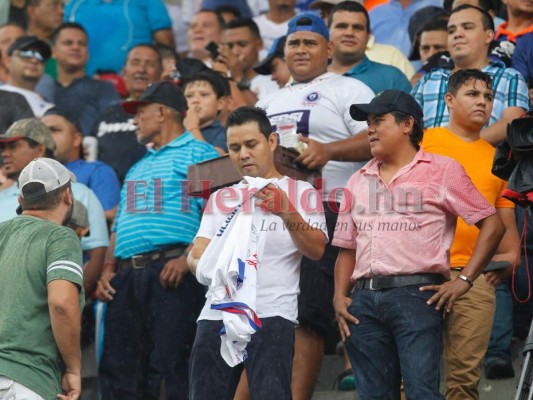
{"type": "Point", "coordinates": [244, 84]}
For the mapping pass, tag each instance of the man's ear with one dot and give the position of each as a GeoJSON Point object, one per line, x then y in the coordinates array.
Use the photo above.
{"type": "Point", "coordinates": [77, 139]}
{"type": "Point", "coordinates": [448, 99]}
{"type": "Point", "coordinates": [68, 197]}
{"type": "Point", "coordinates": [331, 46]}
{"type": "Point", "coordinates": [273, 141]}
{"type": "Point", "coordinates": [408, 124]}
{"type": "Point", "coordinates": [41, 150]}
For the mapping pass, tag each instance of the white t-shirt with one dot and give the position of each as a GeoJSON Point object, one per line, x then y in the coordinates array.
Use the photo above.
{"type": "Point", "coordinates": [269, 31]}
{"type": "Point", "coordinates": [322, 109]}
{"type": "Point", "coordinates": [38, 105]}
{"type": "Point", "coordinates": [262, 85]}
{"type": "Point", "coordinates": [278, 275]}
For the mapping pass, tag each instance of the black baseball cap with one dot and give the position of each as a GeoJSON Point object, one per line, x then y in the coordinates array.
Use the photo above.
{"type": "Point", "coordinates": [30, 42]}
{"type": "Point", "coordinates": [164, 92]}
{"type": "Point", "coordinates": [276, 50]}
{"type": "Point", "coordinates": [386, 102]}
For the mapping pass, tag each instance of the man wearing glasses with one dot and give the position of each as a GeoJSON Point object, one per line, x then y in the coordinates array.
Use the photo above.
{"type": "Point", "coordinates": [26, 67]}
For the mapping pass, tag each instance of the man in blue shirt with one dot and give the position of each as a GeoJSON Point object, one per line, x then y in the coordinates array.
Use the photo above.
{"type": "Point", "coordinates": [470, 32]}
{"type": "Point", "coordinates": [114, 27]}
{"type": "Point", "coordinates": [154, 301]}
{"type": "Point", "coordinates": [389, 21]}
{"type": "Point", "coordinates": [98, 176]}
{"type": "Point", "coordinates": [349, 29]}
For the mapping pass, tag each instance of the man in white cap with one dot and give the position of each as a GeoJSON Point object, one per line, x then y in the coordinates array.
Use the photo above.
{"type": "Point", "coordinates": [41, 289]}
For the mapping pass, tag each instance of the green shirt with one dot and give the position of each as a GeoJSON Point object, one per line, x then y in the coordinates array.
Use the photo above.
{"type": "Point", "coordinates": [33, 252]}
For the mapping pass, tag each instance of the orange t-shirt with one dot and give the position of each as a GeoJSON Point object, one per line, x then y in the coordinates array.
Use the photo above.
{"type": "Point", "coordinates": [476, 158]}
{"type": "Point", "coordinates": [370, 4]}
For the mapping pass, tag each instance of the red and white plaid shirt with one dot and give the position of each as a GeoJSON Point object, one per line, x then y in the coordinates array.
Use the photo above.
{"type": "Point", "coordinates": [407, 226]}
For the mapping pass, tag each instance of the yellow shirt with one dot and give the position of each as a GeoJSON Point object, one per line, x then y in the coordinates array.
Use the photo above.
{"type": "Point", "coordinates": [476, 158]}
{"type": "Point", "coordinates": [390, 55]}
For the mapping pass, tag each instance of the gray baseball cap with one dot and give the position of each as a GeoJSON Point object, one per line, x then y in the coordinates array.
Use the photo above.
{"type": "Point", "coordinates": [50, 173]}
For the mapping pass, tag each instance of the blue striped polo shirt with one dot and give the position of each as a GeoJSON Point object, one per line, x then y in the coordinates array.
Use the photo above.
{"type": "Point", "coordinates": [155, 210]}
{"type": "Point", "coordinates": [510, 90]}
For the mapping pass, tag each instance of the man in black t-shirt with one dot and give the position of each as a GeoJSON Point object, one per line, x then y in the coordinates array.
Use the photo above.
{"type": "Point", "coordinates": [117, 142]}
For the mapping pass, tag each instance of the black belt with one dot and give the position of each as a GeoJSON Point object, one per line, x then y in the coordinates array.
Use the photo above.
{"type": "Point", "coordinates": [393, 281]}
{"type": "Point", "coordinates": [140, 261]}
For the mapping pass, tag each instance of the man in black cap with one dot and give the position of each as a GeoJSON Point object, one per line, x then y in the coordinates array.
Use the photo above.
{"type": "Point", "coordinates": [274, 63]}
{"type": "Point", "coordinates": [153, 300]}
{"type": "Point", "coordinates": [26, 67]}
{"type": "Point", "coordinates": [115, 131]}
{"type": "Point", "coordinates": [395, 232]}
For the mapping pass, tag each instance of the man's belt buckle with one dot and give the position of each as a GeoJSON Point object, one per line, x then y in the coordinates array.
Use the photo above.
{"type": "Point", "coordinates": [372, 284]}
{"type": "Point", "coordinates": [134, 261]}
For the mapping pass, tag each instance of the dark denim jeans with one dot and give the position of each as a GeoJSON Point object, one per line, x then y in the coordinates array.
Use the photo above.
{"type": "Point", "coordinates": [398, 335]}
{"type": "Point", "coordinates": [268, 366]}
{"type": "Point", "coordinates": [143, 316]}
{"type": "Point", "coordinates": [502, 327]}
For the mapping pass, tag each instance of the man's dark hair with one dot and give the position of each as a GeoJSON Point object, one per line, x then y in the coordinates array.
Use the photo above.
{"type": "Point", "coordinates": [435, 25]}
{"type": "Point", "coordinates": [350, 6]}
{"type": "Point", "coordinates": [486, 18]}
{"type": "Point", "coordinates": [67, 25]}
{"type": "Point", "coordinates": [46, 201]}
{"type": "Point", "coordinates": [244, 23]}
{"type": "Point", "coordinates": [33, 144]}
{"type": "Point", "coordinates": [147, 45]}
{"type": "Point", "coordinates": [218, 15]}
{"type": "Point", "coordinates": [33, 3]}
{"type": "Point", "coordinates": [487, 5]}
{"type": "Point", "coordinates": [218, 83]}
{"type": "Point", "coordinates": [248, 114]}
{"type": "Point", "coordinates": [228, 8]}
{"type": "Point", "coordinates": [459, 78]}
{"type": "Point", "coordinates": [416, 135]}
{"type": "Point", "coordinates": [166, 51]}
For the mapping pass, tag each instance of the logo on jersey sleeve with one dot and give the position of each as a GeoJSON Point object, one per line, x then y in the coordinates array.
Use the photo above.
{"type": "Point", "coordinates": [300, 116]}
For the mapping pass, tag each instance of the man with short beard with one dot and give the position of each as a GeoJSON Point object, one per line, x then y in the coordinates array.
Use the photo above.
{"type": "Point", "coordinates": [26, 67]}
{"type": "Point", "coordinates": [349, 29]}
{"type": "Point", "coordinates": [41, 291]}
{"type": "Point", "coordinates": [75, 93]}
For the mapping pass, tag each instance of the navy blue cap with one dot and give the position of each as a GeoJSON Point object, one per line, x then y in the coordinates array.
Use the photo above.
{"type": "Point", "coordinates": [276, 50]}
{"type": "Point", "coordinates": [308, 22]}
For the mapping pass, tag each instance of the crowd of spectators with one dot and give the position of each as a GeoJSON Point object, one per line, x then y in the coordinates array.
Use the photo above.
{"type": "Point", "coordinates": [78, 78]}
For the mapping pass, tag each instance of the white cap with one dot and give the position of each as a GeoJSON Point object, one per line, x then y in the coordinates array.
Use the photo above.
{"type": "Point", "coordinates": [50, 173]}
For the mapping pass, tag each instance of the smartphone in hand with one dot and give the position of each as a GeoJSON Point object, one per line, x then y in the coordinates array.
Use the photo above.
{"type": "Point", "coordinates": [212, 47]}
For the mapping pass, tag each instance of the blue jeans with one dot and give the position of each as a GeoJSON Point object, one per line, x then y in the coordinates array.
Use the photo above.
{"type": "Point", "coordinates": [268, 366]}
{"type": "Point", "coordinates": [398, 335]}
{"type": "Point", "coordinates": [144, 317]}
{"type": "Point", "coordinates": [502, 327]}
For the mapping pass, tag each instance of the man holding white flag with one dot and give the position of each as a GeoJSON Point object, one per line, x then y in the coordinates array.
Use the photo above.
{"type": "Point", "coordinates": [248, 250]}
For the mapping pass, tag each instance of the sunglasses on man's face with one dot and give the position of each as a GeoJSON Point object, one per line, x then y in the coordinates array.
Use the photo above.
{"type": "Point", "coordinates": [28, 54]}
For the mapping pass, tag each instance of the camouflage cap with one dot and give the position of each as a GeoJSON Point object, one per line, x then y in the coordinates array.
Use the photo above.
{"type": "Point", "coordinates": [31, 128]}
